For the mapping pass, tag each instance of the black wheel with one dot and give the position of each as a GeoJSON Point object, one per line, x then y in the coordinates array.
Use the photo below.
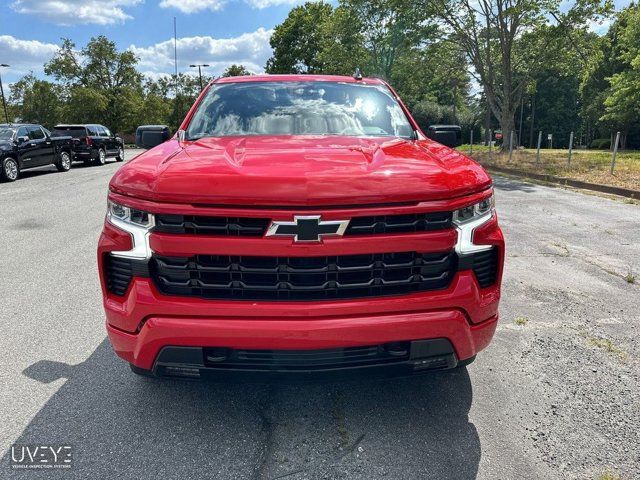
{"type": "Point", "coordinates": [120, 156]}
{"type": "Point", "coordinates": [140, 371]}
{"type": "Point", "coordinates": [465, 362]}
{"type": "Point", "coordinates": [102, 157]}
{"type": "Point", "coordinates": [10, 170]}
{"type": "Point", "coordinates": [64, 164]}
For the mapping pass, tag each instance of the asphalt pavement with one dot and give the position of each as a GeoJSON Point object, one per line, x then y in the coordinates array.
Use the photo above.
{"type": "Point", "coordinates": [556, 395]}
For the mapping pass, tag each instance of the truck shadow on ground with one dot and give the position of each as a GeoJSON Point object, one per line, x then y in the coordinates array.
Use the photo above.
{"type": "Point", "coordinates": [121, 425]}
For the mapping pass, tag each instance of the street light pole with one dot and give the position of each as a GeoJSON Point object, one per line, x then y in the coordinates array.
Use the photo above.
{"type": "Point", "coordinates": [4, 102]}
{"type": "Point", "coordinates": [199, 65]}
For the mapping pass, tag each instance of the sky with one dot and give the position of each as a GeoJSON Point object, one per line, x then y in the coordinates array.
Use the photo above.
{"type": "Point", "coordinates": [217, 32]}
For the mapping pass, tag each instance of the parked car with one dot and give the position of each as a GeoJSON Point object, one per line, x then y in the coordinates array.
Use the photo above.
{"type": "Point", "coordinates": [93, 143]}
{"type": "Point", "coordinates": [25, 145]}
{"type": "Point", "coordinates": [299, 225]}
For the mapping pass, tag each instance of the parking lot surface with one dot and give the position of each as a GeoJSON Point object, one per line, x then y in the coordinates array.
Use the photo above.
{"type": "Point", "coordinates": [554, 396]}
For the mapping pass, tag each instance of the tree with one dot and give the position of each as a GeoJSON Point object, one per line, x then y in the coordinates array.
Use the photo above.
{"type": "Point", "coordinates": [342, 49]}
{"type": "Point", "coordinates": [236, 71]}
{"type": "Point", "coordinates": [36, 101]}
{"type": "Point", "coordinates": [297, 41]}
{"type": "Point", "coordinates": [622, 103]}
{"type": "Point", "coordinates": [177, 101]}
{"type": "Point", "coordinates": [389, 29]}
{"type": "Point", "coordinates": [109, 74]}
{"type": "Point", "coordinates": [489, 32]}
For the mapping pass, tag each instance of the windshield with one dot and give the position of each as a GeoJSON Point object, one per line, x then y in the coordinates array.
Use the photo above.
{"type": "Point", "coordinates": [6, 134]}
{"type": "Point", "coordinates": [75, 132]}
{"type": "Point", "coordinates": [298, 108]}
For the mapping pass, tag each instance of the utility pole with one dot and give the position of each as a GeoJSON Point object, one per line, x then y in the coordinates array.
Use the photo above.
{"type": "Point", "coordinates": [199, 65]}
{"type": "Point", "coordinates": [175, 53]}
{"type": "Point", "coordinates": [4, 102]}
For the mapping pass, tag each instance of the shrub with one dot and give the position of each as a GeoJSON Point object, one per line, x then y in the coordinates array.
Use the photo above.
{"type": "Point", "coordinates": [600, 144]}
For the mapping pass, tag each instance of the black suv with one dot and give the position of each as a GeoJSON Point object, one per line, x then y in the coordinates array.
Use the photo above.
{"type": "Point", "coordinates": [93, 143]}
{"type": "Point", "coordinates": [26, 145]}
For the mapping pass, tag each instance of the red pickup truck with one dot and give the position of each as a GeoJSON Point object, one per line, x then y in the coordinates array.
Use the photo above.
{"type": "Point", "coordinates": [299, 225]}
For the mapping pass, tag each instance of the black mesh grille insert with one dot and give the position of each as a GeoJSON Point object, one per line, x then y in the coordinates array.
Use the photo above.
{"type": "Point", "coordinates": [305, 359]}
{"type": "Point", "coordinates": [120, 271]}
{"type": "Point", "coordinates": [119, 274]}
{"type": "Point", "coordinates": [256, 227]}
{"type": "Point", "coordinates": [229, 226]}
{"type": "Point", "coordinates": [414, 222]}
{"type": "Point", "coordinates": [302, 278]}
{"type": "Point", "coordinates": [485, 267]}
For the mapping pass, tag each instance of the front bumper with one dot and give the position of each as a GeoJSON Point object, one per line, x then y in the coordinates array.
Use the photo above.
{"type": "Point", "coordinates": [143, 321]}
{"type": "Point", "coordinates": [469, 326]}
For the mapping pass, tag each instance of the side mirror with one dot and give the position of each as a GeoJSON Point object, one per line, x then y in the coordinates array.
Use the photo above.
{"type": "Point", "coordinates": [447, 135]}
{"type": "Point", "coordinates": [149, 136]}
{"type": "Point", "coordinates": [22, 139]}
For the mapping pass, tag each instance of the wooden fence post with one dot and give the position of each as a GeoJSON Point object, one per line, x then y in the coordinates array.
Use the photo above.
{"type": "Point", "coordinates": [570, 149]}
{"type": "Point", "coordinates": [538, 150]}
{"type": "Point", "coordinates": [615, 152]}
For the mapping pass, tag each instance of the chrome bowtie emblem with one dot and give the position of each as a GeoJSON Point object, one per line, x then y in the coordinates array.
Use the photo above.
{"type": "Point", "coordinates": [307, 228]}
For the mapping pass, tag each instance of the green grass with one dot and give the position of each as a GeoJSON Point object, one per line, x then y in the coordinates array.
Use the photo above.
{"type": "Point", "coordinates": [586, 165]}
{"type": "Point", "coordinates": [522, 321]}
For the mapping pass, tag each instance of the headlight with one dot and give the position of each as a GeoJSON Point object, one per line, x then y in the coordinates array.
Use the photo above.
{"type": "Point", "coordinates": [469, 218]}
{"type": "Point", "coordinates": [473, 212]}
{"type": "Point", "coordinates": [129, 215]}
{"type": "Point", "coordinates": [137, 223]}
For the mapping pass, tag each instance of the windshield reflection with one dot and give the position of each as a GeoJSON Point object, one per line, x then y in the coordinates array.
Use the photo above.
{"type": "Point", "coordinates": [299, 108]}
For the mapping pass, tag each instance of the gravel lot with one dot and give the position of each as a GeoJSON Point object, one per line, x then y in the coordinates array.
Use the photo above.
{"type": "Point", "coordinates": [554, 396]}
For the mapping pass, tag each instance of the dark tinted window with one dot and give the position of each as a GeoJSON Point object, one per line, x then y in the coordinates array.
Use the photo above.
{"type": "Point", "coordinates": [6, 133]}
{"type": "Point", "coordinates": [22, 132]}
{"type": "Point", "coordinates": [92, 131]}
{"type": "Point", "coordinates": [75, 132]}
{"type": "Point", "coordinates": [35, 133]}
{"type": "Point", "coordinates": [299, 108]}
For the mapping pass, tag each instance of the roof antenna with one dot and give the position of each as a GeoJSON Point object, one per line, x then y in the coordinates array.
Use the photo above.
{"type": "Point", "coordinates": [357, 74]}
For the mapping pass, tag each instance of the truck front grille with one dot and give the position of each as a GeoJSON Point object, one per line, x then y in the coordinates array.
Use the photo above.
{"type": "Point", "coordinates": [302, 278]}
{"type": "Point", "coordinates": [256, 227]}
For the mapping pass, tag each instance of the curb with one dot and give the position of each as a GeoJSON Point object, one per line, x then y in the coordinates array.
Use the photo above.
{"type": "Point", "coordinates": [596, 187]}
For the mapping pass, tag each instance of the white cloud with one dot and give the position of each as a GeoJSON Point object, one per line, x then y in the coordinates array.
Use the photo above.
{"type": "Point", "coordinates": [25, 55]}
{"type": "Point", "coordinates": [249, 49]}
{"type": "Point", "coordinates": [270, 3]}
{"type": "Point", "coordinates": [73, 12]}
{"type": "Point", "coordinates": [192, 6]}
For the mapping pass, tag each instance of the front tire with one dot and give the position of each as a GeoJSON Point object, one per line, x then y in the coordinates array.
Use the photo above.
{"type": "Point", "coordinates": [120, 156]}
{"type": "Point", "coordinates": [102, 157]}
{"type": "Point", "coordinates": [64, 164]}
{"type": "Point", "coordinates": [10, 170]}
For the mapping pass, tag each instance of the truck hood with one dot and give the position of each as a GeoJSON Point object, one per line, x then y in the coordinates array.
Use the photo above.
{"type": "Point", "coordinates": [299, 170]}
